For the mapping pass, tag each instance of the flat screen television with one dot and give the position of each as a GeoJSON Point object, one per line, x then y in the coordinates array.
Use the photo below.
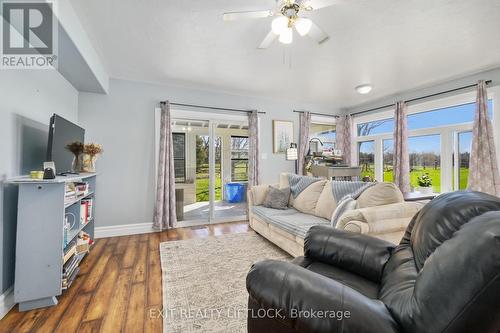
{"type": "Point", "coordinates": [61, 133]}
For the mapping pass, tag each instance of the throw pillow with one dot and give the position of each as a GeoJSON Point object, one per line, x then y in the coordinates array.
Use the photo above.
{"type": "Point", "coordinates": [306, 201]}
{"type": "Point", "coordinates": [277, 198]}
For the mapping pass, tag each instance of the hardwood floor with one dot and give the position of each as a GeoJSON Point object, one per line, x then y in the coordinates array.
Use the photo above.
{"type": "Point", "coordinates": [119, 282]}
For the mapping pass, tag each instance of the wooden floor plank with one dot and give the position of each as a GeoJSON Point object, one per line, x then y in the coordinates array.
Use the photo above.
{"type": "Point", "coordinates": [130, 253]}
{"type": "Point", "coordinates": [93, 326]}
{"type": "Point", "coordinates": [95, 274]}
{"type": "Point", "coordinates": [136, 311]}
{"type": "Point", "coordinates": [102, 295]}
{"type": "Point", "coordinates": [140, 267]}
{"type": "Point", "coordinates": [72, 318]}
{"type": "Point", "coordinates": [113, 322]}
{"type": "Point", "coordinates": [116, 287]}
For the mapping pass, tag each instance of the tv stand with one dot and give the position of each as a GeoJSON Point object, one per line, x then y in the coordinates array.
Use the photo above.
{"type": "Point", "coordinates": [40, 243]}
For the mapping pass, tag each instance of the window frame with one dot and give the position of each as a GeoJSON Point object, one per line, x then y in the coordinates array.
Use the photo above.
{"type": "Point", "coordinates": [184, 158]}
{"type": "Point", "coordinates": [237, 159]}
{"type": "Point", "coordinates": [448, 133]}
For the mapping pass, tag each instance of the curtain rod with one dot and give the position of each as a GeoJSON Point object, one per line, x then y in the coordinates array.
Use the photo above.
{"type": "Point", "coordinates": [317, 114]}
{"type": "Point", "coordinates": [418, 98]}
{"type": "Point", "coordinates": [212, 107]}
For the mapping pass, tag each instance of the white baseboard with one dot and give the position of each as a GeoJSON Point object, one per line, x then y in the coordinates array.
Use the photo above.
{"type": "Point", "coordinates": [6, 301]}
{"type": "Point", "coordinates": [123, 230]}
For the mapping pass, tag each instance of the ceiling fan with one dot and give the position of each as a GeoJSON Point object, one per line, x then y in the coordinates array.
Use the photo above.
{"type": "Point", "coordinates": [288, 15]}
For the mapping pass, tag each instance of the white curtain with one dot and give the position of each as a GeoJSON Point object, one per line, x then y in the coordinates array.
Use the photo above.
{"type": "Point", "coordinates": [483, 168]}
{"type": "Point", "coordinates": [305, 124]}
{"type": "Point", "coordinates": [343, 137]}
{"type": "Point", "coordinates": [253, 149]}
{"type": "Point", "coordinates": [164, 214]}
{"type": "Point", "coordinates": [401, 157]}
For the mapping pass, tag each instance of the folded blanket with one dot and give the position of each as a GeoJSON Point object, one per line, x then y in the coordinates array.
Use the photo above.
{"type": "Point", "coordinates": [343, 188]}
{"type": "Point", "coordinates": [300, 183]}
{"type": "Point", "coordinates": [345, 194]}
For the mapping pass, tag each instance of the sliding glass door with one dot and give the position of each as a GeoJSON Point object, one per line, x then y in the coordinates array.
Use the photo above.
{"type": "Point", "coordinates": [211, 169]}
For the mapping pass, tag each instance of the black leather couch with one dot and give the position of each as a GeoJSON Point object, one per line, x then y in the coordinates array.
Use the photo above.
{"type": "Point", "coordinates": [444, 276]}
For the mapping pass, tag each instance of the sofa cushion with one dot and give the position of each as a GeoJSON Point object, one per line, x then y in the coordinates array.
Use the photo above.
{"type": "Point", "coordinates": [259, 193]}
{"type": "Point", "coordinates": [306, 201]}
{"type": "Point", "coordinates": [277, 198]}
{"type": "Point", "coordinates": [326, 203]}
{"type": "Point", "coordinates": [289, 220]}
{"type": "Point", "coordinates": [285, 183]}
{"type": "Point", "coordinates": [379, 195]}
{"type": "Point", "coordinates": [264, 212]}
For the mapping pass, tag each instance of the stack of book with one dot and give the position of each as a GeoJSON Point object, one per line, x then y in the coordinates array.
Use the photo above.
{"type": "Point", "coordinates": [82, 189]}
{"type": "Point", "coordinates": [69, 195]}
{"type": "Point", "coordinates": [70, 271]}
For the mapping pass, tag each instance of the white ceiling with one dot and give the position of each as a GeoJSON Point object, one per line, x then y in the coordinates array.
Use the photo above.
{"type": "Point", "coordinates": [396, 45]}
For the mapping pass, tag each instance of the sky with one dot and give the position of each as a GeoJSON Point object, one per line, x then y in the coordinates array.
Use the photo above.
{"type": "Point", "coordinates": [440, 117]}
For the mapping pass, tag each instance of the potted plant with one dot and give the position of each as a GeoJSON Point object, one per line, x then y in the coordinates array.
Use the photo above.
{"type": "Point", "coordinates": [90, 153]}
{"type": "Point", "coordinates": [425, 184]}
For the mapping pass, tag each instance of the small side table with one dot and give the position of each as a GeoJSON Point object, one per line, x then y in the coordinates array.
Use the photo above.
{"type": "Point", "coordinates": [417, 196]}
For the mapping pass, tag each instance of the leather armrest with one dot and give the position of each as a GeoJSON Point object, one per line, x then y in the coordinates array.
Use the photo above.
{"type": "Point", "coordinates": [357, 253]}
{"type": "Point", "coordinates": [309, 302]}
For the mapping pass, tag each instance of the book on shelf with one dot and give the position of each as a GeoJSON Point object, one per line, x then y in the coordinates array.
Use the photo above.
{"type": "Point", "coordinates": [69, 251]}
{"type": "Point", "coordinates": [66, 282]}
{"type": "Point", "coordinates": [87, 209]}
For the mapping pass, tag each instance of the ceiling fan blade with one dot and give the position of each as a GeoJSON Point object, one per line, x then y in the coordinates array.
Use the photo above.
{"type": "Point", "coordinates": [318, 4]}
{"type": "Point", "coordinates": [270, 37]}
{"type": "Point", "coordinates": [231, 16]}
{"type": "Point", "coordinates": [318, 34]}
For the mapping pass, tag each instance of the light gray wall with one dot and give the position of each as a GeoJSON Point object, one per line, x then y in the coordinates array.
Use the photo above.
{"type": "Point", "coordinates": [27, 100]}
{"type": "Point", "coordinates": [123, 122]}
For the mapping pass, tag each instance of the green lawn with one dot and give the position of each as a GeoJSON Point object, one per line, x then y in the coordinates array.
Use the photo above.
{"type": "Point", "coordinates": [435, 175]}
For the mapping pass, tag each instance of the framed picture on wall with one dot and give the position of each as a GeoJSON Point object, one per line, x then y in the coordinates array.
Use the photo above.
{"type": "Point", "coordinates": [282, 135]}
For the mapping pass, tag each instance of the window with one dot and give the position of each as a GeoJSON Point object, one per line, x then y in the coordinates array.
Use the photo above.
{"type": "Point", "coordinates": [439, 143]}
{"type": "Point", "coordinates": [376, 127]}
{"type": "Point", "coordinates": [463, 152]}
{"type": "Point", "coordinates": [388, 160]}
{"type": "Point", "coordinates": [425, 158]}
{"type": "Point", "coordinates": [367, 159]}
{"type": "Point", "coordinates": [458, 114]}
{"type": "Point", "coordinates": [239, 158]}
{"type": "Point", "coordinates": [179, 142]}
{"type": "Point", "coordinates": [326, 133]}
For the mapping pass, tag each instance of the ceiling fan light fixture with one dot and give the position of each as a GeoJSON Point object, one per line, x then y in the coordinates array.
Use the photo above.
{"type": "Point", "coordinates": [286, 37]}
{"type": "Point", "coordinates": [303, 26]}
{"type": "Point", "coordinates": [364, 89]}
{"type": "Point", "coordinates": [279, 25]}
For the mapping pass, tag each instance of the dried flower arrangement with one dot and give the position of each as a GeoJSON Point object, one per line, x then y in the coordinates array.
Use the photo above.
{"type": "Point", "coordinates": [75, 147]}
{"type": "Point", "coordinates": [92, 149]}
{"type": "Point", "coordinates": [90, 152]}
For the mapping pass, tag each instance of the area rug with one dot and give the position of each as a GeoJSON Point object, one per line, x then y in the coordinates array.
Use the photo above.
{"type": "Point", "coordinates": [204, 287]}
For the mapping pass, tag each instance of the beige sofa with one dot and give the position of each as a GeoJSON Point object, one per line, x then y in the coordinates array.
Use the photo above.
{"type": "Point", "coordinates": [379, 211]}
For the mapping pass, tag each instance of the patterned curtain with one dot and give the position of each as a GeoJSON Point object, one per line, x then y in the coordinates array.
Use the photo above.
{"type": "Point", "coordinates": [483, 168]}
{"type": "Point", "coordinates": [401, 157]}
{"type": "Point", "coordinates": [343, 137]}
{"type": "Point", "coordinates": [253, 149]}
{"type": "Point", "coordinates": [165, 215]}
{"type": "Point", "coordinates": [305, 124]}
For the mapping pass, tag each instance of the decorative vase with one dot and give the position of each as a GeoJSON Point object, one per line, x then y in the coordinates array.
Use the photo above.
{"type": "Point", "coordinates": [76, 165]}
{"type": "Point", "coordinates": [425, 190]}
{"type": "Point", "coordinates": [88, 163]}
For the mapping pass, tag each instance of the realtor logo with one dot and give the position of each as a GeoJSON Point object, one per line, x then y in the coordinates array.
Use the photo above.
{"type": "Point", "coordinates": [29, 35]}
